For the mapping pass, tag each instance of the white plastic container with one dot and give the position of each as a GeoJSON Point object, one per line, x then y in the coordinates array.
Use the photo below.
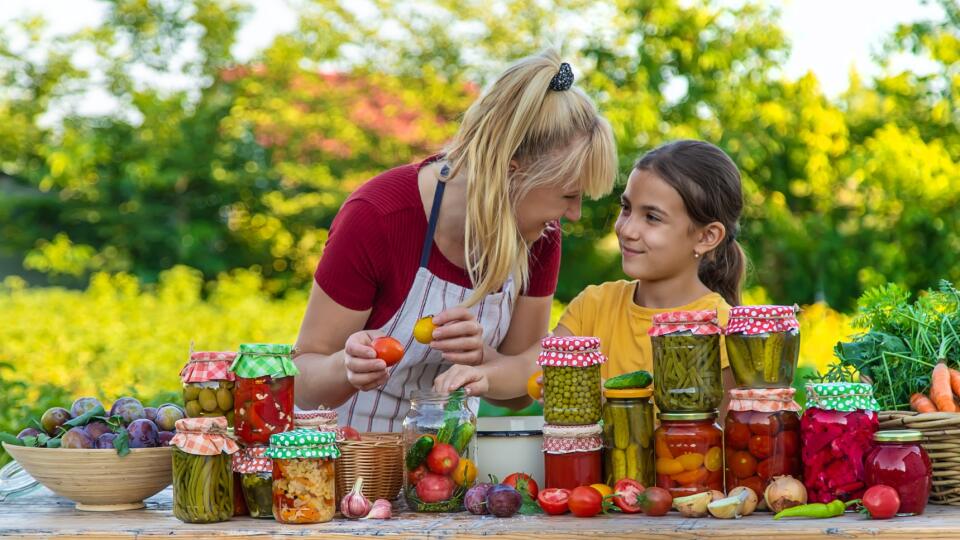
{"type": "Point", "coordinates": [510, 444]}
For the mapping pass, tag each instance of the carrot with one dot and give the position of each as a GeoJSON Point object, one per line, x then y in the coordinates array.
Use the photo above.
{"type": "Point", "coordinates": [955, 381]}
{"type": "Point", "coordinates": [940, 392]}
{"type": "Point", "coordinates": [922, 403]}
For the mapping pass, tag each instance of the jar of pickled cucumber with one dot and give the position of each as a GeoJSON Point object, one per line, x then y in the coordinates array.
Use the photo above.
{"type": "Point", "coordinates": [689, 450]}
{"type": "Point", "coordinates": [304, 475]}
{"type": "Point", "coordinates": [263, 400]}
{"type": "Point", "coordinates": [628, 436]}
{"type": "Point", "coordinates": [763, 345]}
{"type": "Point", "coordinates": [761, 437]}
{"type": "Point", "coordinates": [202, 471]}
{"type": "Point", "coordinates": [571, 380]}
{"type": "Point", "coordinates": [208, 384]}
{"type": "Point", "coordinates": [256, 480]}
{"type": "Point", "coordinates": [686, 361]}
{"type": "Point", "coordinates": [572, 456]}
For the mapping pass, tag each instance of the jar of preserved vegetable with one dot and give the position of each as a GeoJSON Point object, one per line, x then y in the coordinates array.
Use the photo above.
{"type": "Point", "coordinates": [208, 385]}
{"type": "Point", "coordinates": [571, 456]}
{"type": "Point", "coordinates": [689, 451]}
{"type": "Point", "coordinates": [202, 475]}
{"type": "Point", "coordinates": [439, 447]}
{"type": "Point", "coordinates": [836, 433]}
{"type": "Point", "coordinates": [304, 475]}
{"type": "Point", "coordinates": [256, 480]}
{"type": "Point", "coordinates": [898, 460]}
{"type": "Point", "coordinates": [571, 380]}
{"type": "Point", "coordinates": [686, 361]}
{"type": "Point", "coordinates": [263, 400]}
{"type": "Point", "coordinates": [763, 345]}
{"type": "Point", "coordinates": [761, 437]}
{"type": "Point", "coordinates": [628, 436]}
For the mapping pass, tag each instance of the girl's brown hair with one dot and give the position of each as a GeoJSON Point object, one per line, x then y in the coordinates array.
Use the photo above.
{"type": "Point", "coordinates": [709, 184]}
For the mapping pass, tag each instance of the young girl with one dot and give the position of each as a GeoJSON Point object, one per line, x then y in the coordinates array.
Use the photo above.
{"type": "Point", "coordinates": [677, 230]}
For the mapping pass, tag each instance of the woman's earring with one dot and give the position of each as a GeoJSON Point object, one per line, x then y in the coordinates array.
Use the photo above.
{"type": "Point", "coordinates": [696, 254]}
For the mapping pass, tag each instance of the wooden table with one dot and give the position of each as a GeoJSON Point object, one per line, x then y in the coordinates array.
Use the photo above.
{"type": "Point", "coordinates": [42, 514]}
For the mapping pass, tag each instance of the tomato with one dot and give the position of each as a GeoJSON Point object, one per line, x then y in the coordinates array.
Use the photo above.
{"type": "Point", "coordinates": [690, 461]}
{"type": "Point", "coordinates": [787, 443]}
{"type": "Point", "coordinates": [554, 501]}
{"type": "Point", "coordinates": [738, 436]}
{"type": "Point", "coordinates": [514, 481]}
{"type": "Point", "coordinates": [416, 475]}
{"type": "Point", "coordinates": [423, 329]}
{"type": "Point", "coordinates": [388, 349]}
{"type": "Point", "coordinates": [435, 488]}
{"type": "Point", "coordinates": [743, 464]}
{"type": "Point", "coordinates": [443, 459]}
{"type": "Point", "coordinates": [760, 446]}
{"type": "Point", "coordinates": [882, 502]}
{"type": "Point", "coordinates": [692, 478]}
{"type": "Point", "coordinates": [465, 473]}
{"type": "Point", "coordinates": [761, 424]}
{"type": "Point", "coordinates": [627, 495]}
{"type": "Point", "coordinates": [585, 502]}
{"type": "Point", "coordinates": [350, 434]}
{"type": "Point", "coordinates": [656, 501]}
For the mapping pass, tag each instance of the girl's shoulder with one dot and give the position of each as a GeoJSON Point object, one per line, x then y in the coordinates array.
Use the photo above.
{"type": "Point", "coordinates": [607, 292]}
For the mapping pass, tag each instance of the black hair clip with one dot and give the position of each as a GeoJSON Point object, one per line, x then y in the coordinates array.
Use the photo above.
{"type": "Point", "coordinates": [563, 80]}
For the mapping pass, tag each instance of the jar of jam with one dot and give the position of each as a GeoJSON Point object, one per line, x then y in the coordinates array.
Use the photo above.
{"type": "Point", "coordinates": [256, 480]}
{"type": "Point", "coordinates": [571, 456]}
{"type": "Point", "coordinates": [686, 361]}
{"type": "Point", "coordinates": [571, 380]}
{"type": "Point", "coordinates": [208, 385]}
{"type": "Point", "coordinates": [202, 475]}
{"type": "Point", "coordinates": [263, 400]}
{"type": "Point", "coordinates": [763, 345]}
{"type": "Point", "coordinates": [761, 437]}
{"type": "Point", "coordinates": [628, 436]}
{"type": "Point", "coordinates": [899, 461]}
{"type": "Point", "coordinates": [689, 451]}
{"type": "Point", "coordinates": [304, 476]}
{"type": "Point", "coordinates": [836, 433]}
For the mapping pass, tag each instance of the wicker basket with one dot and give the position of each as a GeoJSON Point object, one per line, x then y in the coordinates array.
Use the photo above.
{"type": "Point", "coordinates": [941, 439]}
{"type": "Point", "coordinates": [378, 458]}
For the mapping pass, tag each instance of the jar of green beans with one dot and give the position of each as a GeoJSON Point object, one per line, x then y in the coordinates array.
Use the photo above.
{"type": "Point", "coordinates": [686, 361]}
{"type": "Point", "coordinates": [202, 470]}
{"type": "Point", "coordinates": [571, 380]}
{"type": "Point", "coordinates": [256, 480]}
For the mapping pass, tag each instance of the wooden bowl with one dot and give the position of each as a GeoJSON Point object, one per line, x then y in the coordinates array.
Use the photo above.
{"type": "Point", "coordinates": [98, 480]}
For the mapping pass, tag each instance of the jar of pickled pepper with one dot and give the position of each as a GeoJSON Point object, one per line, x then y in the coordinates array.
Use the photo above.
{"type": "Point", "coordinates": [686, 361]}
{"type": "Point", "coordinates": [202, 472]}
{"type": "Point", "coordinates": [571, 380]}
{"type": "Point", "coordinates": [263, 400]}
{"type": "Point", "coordinates": [628, 436]}
{"type": "Point", "coordinates": [208, 384]}
{"type": "Point", "coordinates": [256, 480]}
{"type": "Point", "coordinates": [761, 437]}
{"type": "Point", "coordinates": [763, 345]}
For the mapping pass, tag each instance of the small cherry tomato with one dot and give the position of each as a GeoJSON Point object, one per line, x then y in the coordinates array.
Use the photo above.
{"type": "Point", "coordinates": [760, 446]}
{"type": "Point", "coordinates": [388, 349]}
{"type": "Point", "coordinates": [743, 464]}
{"type": "Point", "coordinates": [738, 436]}
{"type": "Point", "coordinates": [882, 502]}
{"type": "Point", "coordinates": [518, 480]}
{"type": "Point", "coordinates": [585, 501]}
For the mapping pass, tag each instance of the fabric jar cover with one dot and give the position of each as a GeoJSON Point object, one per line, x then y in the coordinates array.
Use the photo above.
{"type": "Point", "coordinates": [841, 396]}
{"type": "Point", "coordinates": [264, 360]}
{"type": "Point", "coordinates": [763, 399]}
{"type": "Point", "coordinates": [303, 443]}
{"type": "Point", "coordinates": [570, 352]}
{"type": "Point", "coordinates": [252, 460]}
{"type": "Point", "coordinates": [752, 320]}
{"type": "Point", "coordinates": [701, 323]}
{"type": "Point", "coordinates": [205, 366]}
{"type": "Point", "coordinates": [204, 436]}
{"type": "Point", "coordinates": [569, 439]}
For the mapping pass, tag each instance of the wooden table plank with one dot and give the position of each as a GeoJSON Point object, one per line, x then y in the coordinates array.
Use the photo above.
{"type": "Point", "coordinates": [42, 514]}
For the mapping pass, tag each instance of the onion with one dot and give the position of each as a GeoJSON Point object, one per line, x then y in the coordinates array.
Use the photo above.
{"type": "Point", "coordinates": [784, 492]}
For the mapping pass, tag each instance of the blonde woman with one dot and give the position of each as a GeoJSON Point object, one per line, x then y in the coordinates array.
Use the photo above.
{"type": "Point", "coordinates": [470, 236]}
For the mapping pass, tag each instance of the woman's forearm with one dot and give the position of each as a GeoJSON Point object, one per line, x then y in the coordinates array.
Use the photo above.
{"type": "Point", "coordinates": [322, 381]}
{"type": "Point", "coordinates": [508, 375]}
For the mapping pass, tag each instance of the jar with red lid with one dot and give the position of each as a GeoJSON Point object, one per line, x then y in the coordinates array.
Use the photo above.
{"type": "Point", "coordinates": [898, 460]}
{"type": "Point", "coordinates": [255, 472]}
{"type": "Point", "coordinates": [763, 345]}
{"type": "Point", "coordinates": [761, 437]}
{"type": "Point", "coordinates": [689, 451]}
{"type": "Point", "coordinates": [208, 385]}
{"type": "Point", "coordinates": [571, 380]}
{"type": "Point", "coordinates": [686, 361]}
{"type": "Point", "coordinates": [572, 456]}
{"type": "Point", "coordinates": [263, 399]}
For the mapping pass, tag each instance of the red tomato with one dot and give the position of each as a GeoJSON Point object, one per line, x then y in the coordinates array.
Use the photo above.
{"type": "Point", "coordinates": [388, 349]}
{"type": "Point", "coordinates": [443, 459]}
{"type": "Point", "coordinates": [516, 479]}
{"type": "Point", "coordinates": [656, 502]}
{"type": "Point", "coordinates": [765, 424]}
{"type": "Point", "coordinates": [350, 434]}
{"type": "Point", "coordinates": [738, 436]}
{"type": "Point", "coordinates": [416, 475]}
{"type": "Point", "coordinates": [585, 501]}
{"type": "Point", "coordinates": [760, 446]}
{"type": "Point", "coordinates": [435, 488]}
{"type": "Point", "coordinates": [787, 443]}
{"type": "Point", "coordinates": [554, 501]}
{"type": "Point", "coordinates": [627, 494]}
{"type": "Point", "coordinates": [882, 502]}
{"type": "Point", "coordinates": [743, 464]}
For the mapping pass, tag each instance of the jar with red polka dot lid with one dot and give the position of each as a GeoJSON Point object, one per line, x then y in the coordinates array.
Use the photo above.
{"type": "Point", "coordinates": [763, 345]}
{"type": "Point", "coordinates": [571, 380]}
{"type": "Point", "coordinates": [686, 361]}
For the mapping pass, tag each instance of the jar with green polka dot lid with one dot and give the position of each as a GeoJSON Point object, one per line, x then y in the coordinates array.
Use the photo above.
{"type": "Point", "coordinates": [571, 380]}
{"type": "Point", "coordinates": [304, 479]}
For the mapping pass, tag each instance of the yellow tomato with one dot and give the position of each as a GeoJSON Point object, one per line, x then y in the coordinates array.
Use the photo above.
{"type": "Point", "coordinates": [662, 450]}
{"type": "Point", "coordinates": [669, 466]}
{"type": "Point", "coordinates": [691, 461]}
{"type": "Point", "coordinates": [603, 489]}
{"type": "Point", "coordinates": [714, 460]}
{"type": "Point", "coordinates": [465, 473]}
{"type": "Point", "coordinates": [423, 329]}
{"type": "Point", "coordinates": [535, 389]}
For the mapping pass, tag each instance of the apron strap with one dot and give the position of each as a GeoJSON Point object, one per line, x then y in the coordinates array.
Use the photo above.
{"type": "Point", "coordinates": [434, 215]}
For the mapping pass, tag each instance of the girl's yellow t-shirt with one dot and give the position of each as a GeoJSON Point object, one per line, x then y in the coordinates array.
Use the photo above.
{"type": "Point", "coordinates": [607, 311]}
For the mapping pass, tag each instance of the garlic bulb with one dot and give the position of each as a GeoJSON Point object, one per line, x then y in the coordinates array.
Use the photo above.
{"type": "Point", "coordinates": [354, 505]}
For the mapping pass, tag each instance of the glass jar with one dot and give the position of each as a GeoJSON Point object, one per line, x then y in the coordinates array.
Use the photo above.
{"type": "Point", "coordinates": [256, 480]}
{"type": "Point", "coordinates": [628, 436]}
{"type": "Point", "coordinates": [686, 361]}
{"type": "Point", "coordinates": [761, 437]}
{"type": "Point", "coordinates": [444, 427]}
{"type": "Point", "coordinates": [239, 503]}
{"type": "Point", "coordinates": [202, 475]}
{"type": "Point", "coordinates": [571, 380]}
{"type": "Point", "coordinates": [208, 385]}
{"type": "Point", "coordinates": [304, 476]}
{"type": "Point", "coordinates": [689, 451]}
{"type": "Point", "coordinates": [763, 345]}
{"type": "Point", "coordinates": [899, 461]}
{"type": "Point", "coordinates": [836, 433]}
{"type": "Point", "coordinates": [263, 400]}
{"type": "Point", "coordinates": [572, 456]}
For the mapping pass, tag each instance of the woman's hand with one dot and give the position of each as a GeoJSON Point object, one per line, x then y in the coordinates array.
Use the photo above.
{"type": "Point", "coordinates": [473, 380]}
{"type": "Point", "coordinates": [364, 370]}
{"type": "Point", "coordinates": [458, 336]}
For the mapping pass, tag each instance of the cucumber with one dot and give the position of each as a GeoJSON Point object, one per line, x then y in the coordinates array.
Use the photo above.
{"type": "Point", "coordinates": [418, 452]}
{"type": "Point", "coordinates": [635, 379]}
{"type": "Point", "coordinates": [462, 435]}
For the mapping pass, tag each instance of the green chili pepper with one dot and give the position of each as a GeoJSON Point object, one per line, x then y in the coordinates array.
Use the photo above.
{"type": "Point", "coordinates": [817, 510]}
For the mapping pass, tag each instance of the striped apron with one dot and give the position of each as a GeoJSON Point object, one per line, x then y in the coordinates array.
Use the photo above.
{"type": "Point", "coordinates": [383, 410]}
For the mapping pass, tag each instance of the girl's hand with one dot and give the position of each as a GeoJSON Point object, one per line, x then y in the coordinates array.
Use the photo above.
{"type": "Point", "coordinates": [458, 336]}
{"type": "Point", "coordinates": [473, 380]}
{"type": "Point", "coordinates": [364, 370]}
